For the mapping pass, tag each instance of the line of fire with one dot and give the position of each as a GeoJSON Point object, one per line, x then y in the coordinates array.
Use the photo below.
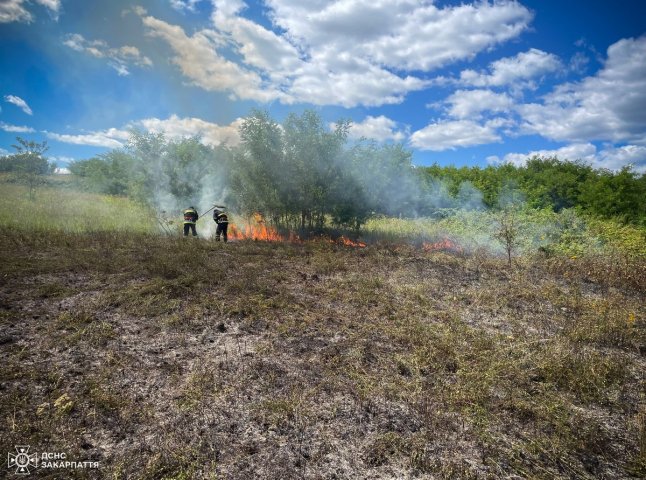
{"type": "Point", "coordinates": [256, 228]}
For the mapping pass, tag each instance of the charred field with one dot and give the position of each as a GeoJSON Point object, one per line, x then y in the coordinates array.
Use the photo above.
{"type": "Point", "coordinates": [170, 358]}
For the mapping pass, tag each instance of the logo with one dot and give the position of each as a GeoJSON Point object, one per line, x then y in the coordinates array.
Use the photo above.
{"type": "Point", "coordinates": [22, 460]}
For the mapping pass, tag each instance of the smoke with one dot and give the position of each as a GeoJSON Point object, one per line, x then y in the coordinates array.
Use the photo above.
{"type": "Point", "coordinates": [285, 170]}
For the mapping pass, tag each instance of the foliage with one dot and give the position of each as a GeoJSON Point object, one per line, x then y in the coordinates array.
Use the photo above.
{"type": "Point", "coordinates": [301, 175]}
{"type": "Point", "coordinates": [28, 165]}
{"type": "Point", "coordinates": [507, 232]}
{"type": "Point", "coordinates": [165, 174]}
{"type": "Point", "coordinates": [557, 184]}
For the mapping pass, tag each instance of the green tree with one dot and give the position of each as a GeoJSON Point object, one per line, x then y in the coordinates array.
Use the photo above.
{"type": "Point", "coordinates": [109, 173]}
{"type": "Point", "coordinates": [29, 164]}
{"type": "Point", "coordinates": [258, 168]}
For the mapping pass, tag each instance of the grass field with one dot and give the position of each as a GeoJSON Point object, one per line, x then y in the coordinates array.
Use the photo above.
{"type": "Point", "coordinates": [64, 209]}
{"type": "Point", "coordinates": [164, 357]}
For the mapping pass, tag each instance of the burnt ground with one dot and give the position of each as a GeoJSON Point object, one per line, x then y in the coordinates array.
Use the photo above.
{"type": "Point", "coordinates": [181, 359]}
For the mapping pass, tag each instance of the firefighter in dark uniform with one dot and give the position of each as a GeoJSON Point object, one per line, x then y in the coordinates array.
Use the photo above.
{"type": "Point", "coordinates": [190, 218]}
{"type": "Point", "coordinates": [222, 222]}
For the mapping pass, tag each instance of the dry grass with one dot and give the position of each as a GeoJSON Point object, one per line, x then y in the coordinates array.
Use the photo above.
{"type": "Point", "coordinates": [182, 358]}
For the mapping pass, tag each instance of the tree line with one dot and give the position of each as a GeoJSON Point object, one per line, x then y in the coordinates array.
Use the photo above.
{"type": "Point", "coordinates": [301, 174]}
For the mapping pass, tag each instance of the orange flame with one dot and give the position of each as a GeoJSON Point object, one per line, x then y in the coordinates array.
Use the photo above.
{"type": "Point", "coordinates": [444, 244]}
{"type": "Point", "coordinates": [257, 229]}
{"type": "Point", "coordinates": [349, 243]}
{"type": "Point", "coordinates": [256, 232]}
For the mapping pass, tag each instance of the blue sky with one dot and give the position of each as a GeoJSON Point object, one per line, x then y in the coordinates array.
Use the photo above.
{"type": "Point", "coordinates": [462, 83]}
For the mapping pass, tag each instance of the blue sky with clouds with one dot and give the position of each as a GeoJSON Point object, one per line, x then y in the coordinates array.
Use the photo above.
{"type": "Point", "coordinates": [458, 82]}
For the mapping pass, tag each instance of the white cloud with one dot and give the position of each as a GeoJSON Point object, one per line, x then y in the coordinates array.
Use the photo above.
{"type": "Point", "coordinates": [18, 102]}
{"type": "Point", "coordinates": [446, 135]}
{"type": "Point", "coordinates": [609, 106]}
{"type": "Point", "coordinates": [614, 158]}
{"type": "Point", "coordinates": [610, 157]}
{"type": "Point", "coordinates": [346, 52]}
{"type": "Point", "coordinates": [378, 128]}
{"type": "Point", "coordinates": [15, 128]}
{"type": "Point", "coordinates": [111, 138]}
{"type": "Point", "coordinates": [182, 5]}
{"type": "Point", "coordinates": [578, 62]}
{"type": "Point", "coordinates": [14, 11]}
{"type": "Point", "coordinates": [259, 47]}
{"type": "Point", "coordinates": [522, 68]}
{"type": "Point", "coordinates": [118, 58]}
{"type": "Point", "coordinates": [120, 68]}
{"type": "Point", "coordinates": [198, 59]}
{"type": "Point", "coordinates": [3, 152]}
{"type": "Point", "coordinates": [471, 103]}
{"type": "Point", "coordinates": [173, 127]}
{"type": "Point", "coordinates": [578, 151]}
{"type": "Point", "coordinates": [53, 5]}
{"type": "Point", "coordinates": [211, 134]}
{"type": "Point", "coordinates": [362, 84]}
{"type": "Point", "coordinates": [62, 171]}
{"type": "Point", "coordinates": [400, 34]}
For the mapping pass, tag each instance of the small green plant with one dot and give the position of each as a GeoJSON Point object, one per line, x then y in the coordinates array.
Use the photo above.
{"type": "Point", "coordinates": [507, 232]}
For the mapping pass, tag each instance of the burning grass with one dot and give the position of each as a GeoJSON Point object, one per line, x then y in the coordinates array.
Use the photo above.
{"type": "Point", "coordinates": [255, 228]}
{"type": "Point", "coordinates": [419, 355]}
{"type": "Point", "coordinates": [180, 358]}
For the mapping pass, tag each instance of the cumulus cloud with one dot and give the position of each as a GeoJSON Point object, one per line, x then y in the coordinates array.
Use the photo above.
{"type": "Point", "coordinates": [15, 128]}
{"type": "Point", "coordinates": [379, 128]}
{"type": "Point", "coordinates": [400, 34]}
{"type": "Point", "coordinates": [14, 11]}
{"type": "Point", "coordinates": [173, 127]}
{"type": "Point", "coordinates": [448, 135]}
{"type": "Point", "coordinates": [198, 58]}
{"type": "Point", "coordinates": [211, 133]}
{"type": "Point", "coordinates": [260, 48]}
{"type": "Point", "coordinates": [111, 138]}
{"type": "Point", "coordinates": [609, 106]}
{"type": "Point", "coordinates": [610, 157]}
{"type": "Point", "coordinates": [18, 102]}
{"type": "Point", "coordinates": [520, 69]}
{"type": "Point", "coordinates": [472, 103]}
{"type": "Point", "coordinates": [118, 58]}
{"type": "Point", "coordinates": [346, 52]}
{"type": "Point", "coordinates": [362, 84]}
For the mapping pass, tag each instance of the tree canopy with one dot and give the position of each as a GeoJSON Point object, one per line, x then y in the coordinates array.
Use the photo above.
{"type": "Point", "coordinates": [303, 174]}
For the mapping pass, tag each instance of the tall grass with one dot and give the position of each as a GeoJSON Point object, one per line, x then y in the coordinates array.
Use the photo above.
{"type": "Point", "coordinates": [71, 211]}
{"type": "Point", "coordinates": [565, 233]}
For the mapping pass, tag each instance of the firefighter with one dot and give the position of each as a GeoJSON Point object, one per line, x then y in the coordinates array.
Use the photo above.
{"type": "Point", "coordinates": [190, 218]}
{"type": "Point", "coordinates": [222, 221]}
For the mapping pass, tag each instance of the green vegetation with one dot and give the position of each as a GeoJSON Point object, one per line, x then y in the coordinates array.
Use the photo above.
{"type": "Point", "coordinates": [557, 184]}
{"type": "Point", "coordinates": [565, 233]}
{"type": "Point", "coordinates": [28, 165]}
{"type": "Point", "coordinates": [68, 210]}
{"type": "Point", "coordinates": [301, 176]}
{"type": "Point", "coordinates": [462, 342]}
{"type": "Point", "coordinates": [165, 357]}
